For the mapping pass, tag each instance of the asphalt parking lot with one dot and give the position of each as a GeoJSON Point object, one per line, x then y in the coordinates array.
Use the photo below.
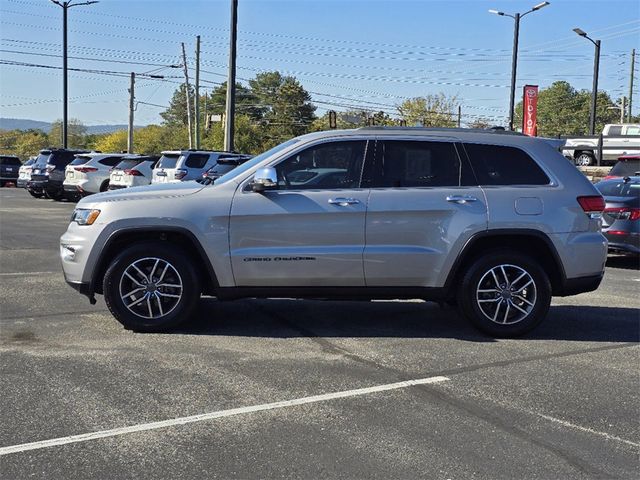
{"type": "Point", "coordinates": [306, 389]}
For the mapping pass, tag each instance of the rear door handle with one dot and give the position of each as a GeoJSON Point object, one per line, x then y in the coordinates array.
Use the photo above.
{"type": "Point", "coordinates": [461, 199]}
{"type": "Point", "coordinates": [343, 202]}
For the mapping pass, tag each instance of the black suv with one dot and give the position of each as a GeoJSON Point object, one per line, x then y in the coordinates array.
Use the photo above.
{"type": "Point", "coordinates": [47, 175]}
{"type": "Point", "coordinates": [9, 165]}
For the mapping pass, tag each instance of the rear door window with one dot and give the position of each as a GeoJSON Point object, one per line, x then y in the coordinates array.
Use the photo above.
{"type": "Point", "coordinates": [615, 131]}
{"type": "Point", "coordinates": [502, 165]}
{"type": "Point", "coordinates": [632, 130]}
{"type": "Point", "coordinates": [197, 160]}
{"type": "Point", "coordinates": [414, 163]}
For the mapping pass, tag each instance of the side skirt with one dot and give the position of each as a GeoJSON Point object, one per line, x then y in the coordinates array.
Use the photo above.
{"type": "Point", "coordinates": [333, 293]}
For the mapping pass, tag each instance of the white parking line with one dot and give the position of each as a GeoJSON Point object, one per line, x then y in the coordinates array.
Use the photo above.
{"type": "Point", "coordinates": [585, 429]}
{"type": "Point", "coordinates": [85, 437]}
{"type": "Point", "coordinates": [19, 274]}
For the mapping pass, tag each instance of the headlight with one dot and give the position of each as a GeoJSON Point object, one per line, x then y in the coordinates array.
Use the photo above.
{"type": "Point", "coordinates": [85, 216]}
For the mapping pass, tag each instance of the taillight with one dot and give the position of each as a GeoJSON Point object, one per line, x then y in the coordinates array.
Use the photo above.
{"type": "Point", "coordinates": [593, 205]}
{"type": "Point", "coordinates": [134, 172]}
{"type": "Point", "coordinates": [623, 213]}
{"type": "Point", "coordinates": [180, 173]}
{"type": "Point", "coordinates": [86, 169]}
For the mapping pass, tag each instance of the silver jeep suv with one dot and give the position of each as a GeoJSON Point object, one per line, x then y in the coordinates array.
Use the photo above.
{"type": "Point", "coordinates": [496, 223]}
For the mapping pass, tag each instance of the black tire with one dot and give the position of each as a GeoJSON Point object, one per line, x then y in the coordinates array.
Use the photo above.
{"type": "Point", "coordinates": [478, 302]}
{"type": "Point", "coordinates": [144, 256]}
{"type": "Point", "coordinates": [585, 159]}
{"type": "Point", "coordinates": [105, 186]}
{"type": "Point", "coordinates": [1, 183]}
{"type": "Point", "coordinates": [56, 195]}
{"type": "Point", "coordinates": [34, 194]}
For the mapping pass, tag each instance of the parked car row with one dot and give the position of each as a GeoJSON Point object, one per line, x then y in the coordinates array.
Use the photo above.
{"type": "Point", "coordinates": [73, 174]}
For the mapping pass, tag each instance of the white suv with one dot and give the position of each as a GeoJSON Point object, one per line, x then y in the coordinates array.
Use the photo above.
{"type": "Point", "coordinates": [89, 173]}
{"type": "Point", "coordinates": [132, 171]}
{"type": "Point", "coordinates": [497, 223]}
{"type": "Point", "coordinates": [182, 165]}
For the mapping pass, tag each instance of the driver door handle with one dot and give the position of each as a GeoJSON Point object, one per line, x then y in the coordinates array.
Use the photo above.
{"type": "Point", "coordinates": [461, 199]}
{"type": "Point", "coordinates": [343, 202]}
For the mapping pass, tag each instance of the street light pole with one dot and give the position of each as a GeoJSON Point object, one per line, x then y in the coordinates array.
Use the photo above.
{"type": "Point", "coordinates": [594, 88]}
{"type": "Point", "coordinates": [514, 58]}
{"type": "Point", "coordinates": [514, 64]}
{"type": "Point", "coordinates": [65, 90]}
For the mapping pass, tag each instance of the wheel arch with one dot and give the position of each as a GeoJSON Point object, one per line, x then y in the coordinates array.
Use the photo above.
{"type": "Point", "coordinates": [532, 243]}
{"type": "Point", "coordinates": [178, 236]}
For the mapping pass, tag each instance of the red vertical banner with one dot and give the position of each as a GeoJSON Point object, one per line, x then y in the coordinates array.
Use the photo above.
{"type": "Point", "coordinates": [530, 110]}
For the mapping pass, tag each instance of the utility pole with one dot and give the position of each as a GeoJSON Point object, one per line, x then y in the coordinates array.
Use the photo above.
{"type": "Point", "coordinates": [633, 63]}
{"type": "Point", "coordinates": [622, 107]}
{"type": "Point", "coordinates": [231, 81]}
{"type": "Point", "coordinates": [459, 115]}
{"type": "Point", "coordinates": [132, 97]}
{"type": "Point", "coordinates": [65, 90]}
{"type": "Point", "coordinates": [186, 80]}
{"type": "Point", "coordinates": [197, 99]}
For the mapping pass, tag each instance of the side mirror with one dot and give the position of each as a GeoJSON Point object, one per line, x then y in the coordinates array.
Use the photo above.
{"type": "Point", "coordinates": [265, 179]}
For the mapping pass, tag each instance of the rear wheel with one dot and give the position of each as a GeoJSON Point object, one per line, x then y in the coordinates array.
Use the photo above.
{"type": "Point", "coordinates": [505, 294]}
{"type": "Point", "coordinates": [105, 186]}
{"type": "Point", "coordinates": [151, 287]}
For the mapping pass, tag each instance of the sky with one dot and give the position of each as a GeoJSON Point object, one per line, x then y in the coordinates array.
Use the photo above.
{"type": "Point", "coordinates": [348, 54]}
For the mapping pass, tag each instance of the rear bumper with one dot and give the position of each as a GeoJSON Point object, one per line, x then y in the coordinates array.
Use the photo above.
{"type": "Point", "coordinates": [116, 187]}
{"type": "Point", "coordinates": [574, 286]}
{"type": "Point", "coordinates": [628, 243]}
{"type": "Point", "coordinates": [22, 183]}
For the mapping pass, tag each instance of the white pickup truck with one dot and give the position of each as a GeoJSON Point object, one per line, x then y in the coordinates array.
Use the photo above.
{"type": "Point", "coordinates": [617, 139]}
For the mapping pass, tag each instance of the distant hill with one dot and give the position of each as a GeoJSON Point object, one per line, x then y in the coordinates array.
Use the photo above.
{"type": "Point", "coordinates": [27, 124]}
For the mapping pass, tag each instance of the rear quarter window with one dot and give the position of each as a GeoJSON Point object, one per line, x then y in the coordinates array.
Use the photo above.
{"type": "Point", "coordinates": [80, 160]}
{"type": "Point", "coordinates": [197, 160]}
{"type": "Point", "coordinates": [502, 165]}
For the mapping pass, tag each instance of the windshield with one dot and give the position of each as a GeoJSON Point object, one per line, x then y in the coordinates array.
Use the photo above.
{"type": "Point", "coordinates": [168, 161]}
{"type": "Point", "coordinates": [80, 160]}
{"type": "Point", "coordinates": [619, 189]}
{"type": "Point", "coordinates": [624, 168]}
{"type": "Point", "coordinates": [255, 161]}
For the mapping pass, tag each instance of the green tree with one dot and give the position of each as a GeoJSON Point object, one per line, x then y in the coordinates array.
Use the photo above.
{"type": "Point", "coordinates": [434, 110]}
{"type": "Point", "coordinates": [30, 142]}
{"type": "Point", "coordinates": [287, 108]}
{"type": "Point", "coordinates": [176, 113]}
{"type": "Point", "coordinates": [479, 122]}
{"type": "Point", "coordinates": [112, 142]}
{"type": "Point", "coordinates": [76, 134]}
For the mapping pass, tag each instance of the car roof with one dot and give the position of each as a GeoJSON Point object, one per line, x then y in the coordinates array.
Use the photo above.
{"type": "Point", "coordinates": [471, 135]}
{"type": "Point", "coordinates": [93, 155]}
{"type": "Point", "coordinates": [183, 152]}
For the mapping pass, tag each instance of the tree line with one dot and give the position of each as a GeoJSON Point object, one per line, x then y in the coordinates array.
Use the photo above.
{"type": "Point", "coordinates": [272, 108]}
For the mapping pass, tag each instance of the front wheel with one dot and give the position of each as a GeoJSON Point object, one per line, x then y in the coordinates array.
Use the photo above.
{"type": "Point", "coordinates": [505, 294]}
{"type": "Point", "coordinates": [151, 287]}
